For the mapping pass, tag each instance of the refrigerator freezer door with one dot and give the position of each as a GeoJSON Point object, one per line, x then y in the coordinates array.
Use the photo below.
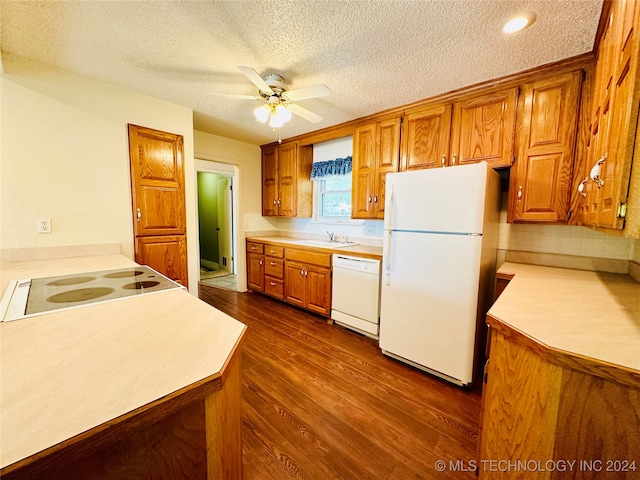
{"type": "Point", "coordinates": [429, 301]}
{"type": "Point", "coordinates": [437, 199]}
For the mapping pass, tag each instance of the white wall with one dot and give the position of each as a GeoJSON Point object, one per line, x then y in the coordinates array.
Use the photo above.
{"type": "Point", "coordinates": [64, 155]}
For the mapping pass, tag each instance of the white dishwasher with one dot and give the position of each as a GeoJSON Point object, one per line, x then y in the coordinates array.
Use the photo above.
{"type": "Point", "coordinates": [356, 294]}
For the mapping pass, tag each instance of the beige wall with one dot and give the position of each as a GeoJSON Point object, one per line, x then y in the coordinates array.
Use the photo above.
{"type": "Point", "coordinates": [64, 155]}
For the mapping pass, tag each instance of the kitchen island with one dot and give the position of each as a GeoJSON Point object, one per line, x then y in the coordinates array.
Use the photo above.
{"type": "Point", "coordinates": [141, 387]}
{"type": "Point", "coordinates": [562, 383]}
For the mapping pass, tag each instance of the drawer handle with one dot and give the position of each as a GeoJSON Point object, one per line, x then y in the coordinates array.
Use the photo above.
{"type": "Point", "coordinates": [273, 284]}
{"type": "Point", "coordinates": [272, 251]}
{"type": "Point", "coordinates": [273, 264]}
{"type": "Point", "coordinates": [254, 248]}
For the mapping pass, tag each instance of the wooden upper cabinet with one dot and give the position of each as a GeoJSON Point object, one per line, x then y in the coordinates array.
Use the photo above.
{"type": "Point", "coordinates": [376, 148]}
{"type": "Point", "coordinates": [286, 180]}
{"type": "Point", "coordinates": [483, 128]}
{"type": "Point", "coordinates": [614, 121]}
{"type": "Point", "coordinates": [546, 137]}
{"type": "Point", "coordinates": [425, 141]}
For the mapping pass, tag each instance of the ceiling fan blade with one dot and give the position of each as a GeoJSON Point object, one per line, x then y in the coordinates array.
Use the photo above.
{"type": "Point", "coordinates": [304, 113]}
{"type": "Point", "coordinates": [256, 79]}
{"type": "Point", "coordinates": [314, 91]}
{"type": "Point", "coordinates": [232, 95]}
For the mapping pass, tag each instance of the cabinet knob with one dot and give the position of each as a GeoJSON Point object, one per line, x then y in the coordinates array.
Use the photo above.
{"type": "Point", "coordinates": [260, 262]}
{"type": "Point", "coordinates": [302, 271]}
{"type": "Point", "coordinates": [520, 193]}
{"type": "Point", "coordinates": [278, 202]}
{"type": "Point", "coordinates": [597, 169]}
{"type": "Point", "coordinates": [369, 198]}
{"type": "Point", "coordinates": [138, 214]}
{"type": "Point", "coordinates": [375, 199]}
{"type": "Point", "coordinates": [274, 201]}
{"type": "Point", "coordinates": [581, 187]}
{"type": "Point", "coordinates": [453, 160]}
{"type": "Point", "coordinates": [443, 160]}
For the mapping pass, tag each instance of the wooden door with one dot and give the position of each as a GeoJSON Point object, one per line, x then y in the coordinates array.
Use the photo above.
{"type": "Point", "coordinates": [288, 179]}
{"type": "Point", "coordinates": [157, 191]}
{"type": "Point", "coordinates": [255, 272]}
{"type": "Point", "coordinates": [387, 158]}
{"type": "Point", "coordinates": [270, 181]}
{"type": "Point", "coordinates": [318, 289]}
{"type": "Point", "coordinates": [294, 283]}
{"type": "Point", "coordinates": [541, 177]}
{"type": "Point", "coordinates": [363, 171]}
{"type": "Point", "coordinates": [483, 129]}
{"type": "Point", "coordinates": [426, 138]}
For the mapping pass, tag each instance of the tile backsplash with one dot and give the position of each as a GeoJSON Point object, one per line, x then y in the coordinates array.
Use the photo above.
{"type": "Point", "coordinates": [564, 240]}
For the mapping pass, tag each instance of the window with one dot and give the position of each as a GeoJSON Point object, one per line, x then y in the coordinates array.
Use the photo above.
{"type": "Point", "coordinates": [334, 198]}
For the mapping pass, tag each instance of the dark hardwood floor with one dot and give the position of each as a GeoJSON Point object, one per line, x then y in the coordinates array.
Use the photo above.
{"type": "Point", "coordinates": [321, 402]}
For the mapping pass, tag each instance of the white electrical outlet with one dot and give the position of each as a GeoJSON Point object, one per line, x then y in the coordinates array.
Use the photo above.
{"type": "Point", "coordinates": [44, 225]}
{"type": "Point", "coordinates": [370, 230]}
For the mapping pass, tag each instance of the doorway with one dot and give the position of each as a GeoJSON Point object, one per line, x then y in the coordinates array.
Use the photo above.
{"type": "Point", "coordinates": [216, 224]}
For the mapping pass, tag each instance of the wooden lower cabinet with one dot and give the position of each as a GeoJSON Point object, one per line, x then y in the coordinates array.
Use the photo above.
{"type": "Point", "coordinates": [166, 254]}
{"type": "Point", "coordinates": [543, 407]}
{"type": "Point", "coordinates": [299, 277]}
{"type": "Point", "coordinates": [308, 286]}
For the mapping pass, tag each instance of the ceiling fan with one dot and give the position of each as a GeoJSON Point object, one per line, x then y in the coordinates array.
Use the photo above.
{"type": "Point", "coordinates": [279, 101]}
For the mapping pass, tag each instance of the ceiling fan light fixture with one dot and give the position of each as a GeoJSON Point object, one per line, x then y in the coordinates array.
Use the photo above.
{"type": "Point", "coordinates": [282, 113]}
{"type": "Point", "coordinates": [262, 113]}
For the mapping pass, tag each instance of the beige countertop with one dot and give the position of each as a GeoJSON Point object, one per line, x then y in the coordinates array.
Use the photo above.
{"type": "Point", "coordinates": [591, 315]}
{"type": "Point", "coordinates": [67, 372]}
{"type": "Point", "coordinates": [366, 251]}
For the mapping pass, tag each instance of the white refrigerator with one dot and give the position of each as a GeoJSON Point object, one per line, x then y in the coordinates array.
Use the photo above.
{"type": "Point", "coordinates": [439, 258]}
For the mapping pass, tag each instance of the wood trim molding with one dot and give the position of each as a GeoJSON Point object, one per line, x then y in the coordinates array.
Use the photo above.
{"type": "Point", "coordinates": [584, 61]}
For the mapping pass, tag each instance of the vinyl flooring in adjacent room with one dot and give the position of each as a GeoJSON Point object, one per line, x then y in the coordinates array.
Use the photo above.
{"type": "Point", "coordinates": [321, 402]}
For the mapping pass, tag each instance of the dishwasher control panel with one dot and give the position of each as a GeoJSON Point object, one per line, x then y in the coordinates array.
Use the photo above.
{"type": "Point", "coordinates": [365, 265]}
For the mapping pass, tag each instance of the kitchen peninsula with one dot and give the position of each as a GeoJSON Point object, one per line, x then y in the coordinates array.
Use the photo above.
{"type": "Point", "coordinates": [146, 386]}
{"type": "Point", "coordinates": [563, 377]}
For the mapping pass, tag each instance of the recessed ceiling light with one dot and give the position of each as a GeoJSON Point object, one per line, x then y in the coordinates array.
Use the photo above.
{"type": "Point", "coordinates": [519, 22]}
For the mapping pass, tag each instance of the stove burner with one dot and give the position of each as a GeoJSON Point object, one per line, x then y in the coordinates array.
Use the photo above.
{"type": "Point", "coordinates": [80, 295]}
{"type": "Point", "coordinates": [140, 285]}
{"type": "Point", "coordinates": [63, 282]}
{"type": "Point", "coordinates": [128, 273]}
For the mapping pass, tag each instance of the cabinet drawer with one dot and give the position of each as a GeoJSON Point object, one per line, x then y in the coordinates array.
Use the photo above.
{"type": "Point", "coordinates": [253, 247]}
{"type": "Point", "coordinates": [274, 267]}
{"type": "Point", "coordinates": [274, 287]}
{"type": "Point", "coordinates": [273, 251]}
{"type": "Point", "coordinates": [304, 256]}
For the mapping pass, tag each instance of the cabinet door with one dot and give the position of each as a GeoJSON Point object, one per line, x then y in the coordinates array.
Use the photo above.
{"type": "Point", "coordinates": [166, 254]}
{"type": "Point", "coordinates": [426, 138]}
{"type": "Point", "coordinates": [255, 272]}
{"type": "Point", "coordinates": [363, 172]}
{"type": "Point", "coordinates": [483, 129]}
{"type": "Point", "coordinates": [287, 179]}
{"type": "Point", "coordinates": [318, 289]}
{"type": "Point", "coordinates": [388, 150]}
{"type": "Point", "coordinates": [270, 181]}
{"type": "Point", "coordinates": [616, 169]}
{"type": "Point", "coordinates": [294, 283]}
{"type": "Point", "coordinates": [541, 178]}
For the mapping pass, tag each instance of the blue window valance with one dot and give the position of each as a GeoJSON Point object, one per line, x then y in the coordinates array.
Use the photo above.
{"type": "Point", "coordinates": [331, 168]}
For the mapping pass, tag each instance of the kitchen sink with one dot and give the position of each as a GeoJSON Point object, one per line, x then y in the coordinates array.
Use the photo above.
{"type": "Point", "coordinates": [324, 243]}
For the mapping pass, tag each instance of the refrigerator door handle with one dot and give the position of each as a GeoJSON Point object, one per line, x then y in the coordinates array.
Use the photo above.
{"type": "Point", "coordinates": [387, 208]}
{"type": "Point", "coordinates": [386, 255]}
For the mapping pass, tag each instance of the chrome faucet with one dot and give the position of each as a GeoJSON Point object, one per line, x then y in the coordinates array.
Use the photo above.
{"type": "Point", "coordinates": [331, 234]}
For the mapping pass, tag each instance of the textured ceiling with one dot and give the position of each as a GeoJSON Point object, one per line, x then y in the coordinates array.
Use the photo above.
{"type": "Point", "coordinates": [373, 55]}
